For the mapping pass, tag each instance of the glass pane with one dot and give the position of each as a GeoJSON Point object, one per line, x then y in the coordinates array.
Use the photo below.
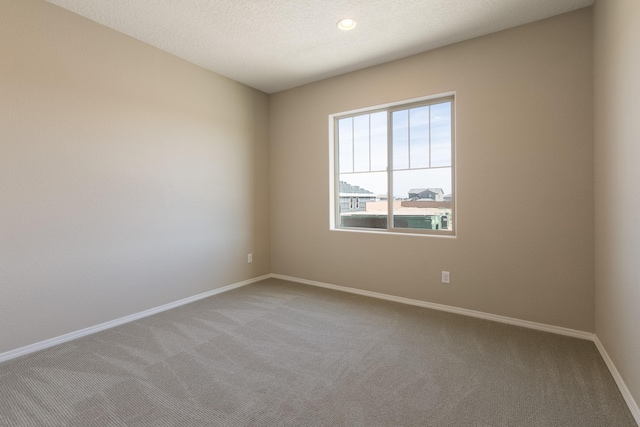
{"type": "Point", "coordinates": [362, 200]}
{"type": "Point", "coordinates": [422, 199]}
{"type": "Point", "coordinates": [400, 126]}
{"type": "Point", "coordinates": [361, 143]}
{"type": "Point", "coordinates": [419, 137]}
{"type": "Point", "coordinates": [441, 134]}
{"type": "Point", "coordinates": [379, 141]}
{"type": "Point", "coordinates": [345, 144]}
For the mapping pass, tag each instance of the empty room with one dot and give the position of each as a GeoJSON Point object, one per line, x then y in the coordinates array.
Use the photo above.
{"type": "Point", "coordinates": [319, 213]}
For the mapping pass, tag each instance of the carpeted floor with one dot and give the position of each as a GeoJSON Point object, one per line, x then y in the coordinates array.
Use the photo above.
{"type": "Point", "coordinates": [281, 354]}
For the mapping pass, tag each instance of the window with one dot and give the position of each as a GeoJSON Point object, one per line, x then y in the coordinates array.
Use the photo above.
{"type": "Point", "coordinates": [395, 161]}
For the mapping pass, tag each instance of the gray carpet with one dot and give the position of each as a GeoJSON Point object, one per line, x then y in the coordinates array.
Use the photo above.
{"type": "Point", "coordinates": [281, 354]}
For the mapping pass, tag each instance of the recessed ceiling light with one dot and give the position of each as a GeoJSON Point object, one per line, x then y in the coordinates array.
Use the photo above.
{"type": "Point", "coordinates": [346, 24]}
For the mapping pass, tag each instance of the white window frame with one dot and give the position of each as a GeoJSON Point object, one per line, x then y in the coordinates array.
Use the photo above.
{"type": "Point", "coordinates": [334, 162]}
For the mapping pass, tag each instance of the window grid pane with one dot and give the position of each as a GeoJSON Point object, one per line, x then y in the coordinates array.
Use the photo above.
{"type": "Point", "coordinates": [378, 133]}
{"type": "Point", "coordinates": [441, 134]}
{"type": "Point", "coordinates": [361, 157]}
{"type": "Point", "coordinates": [400, 135]}
{"type": "Point", "coordinates": [419, 137]}
{"type": "Point", "coordinates": [345, 144]}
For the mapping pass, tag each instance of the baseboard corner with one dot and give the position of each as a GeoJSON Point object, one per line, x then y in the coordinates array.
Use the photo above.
{"type": "Point", "coordinates": [624, 390]}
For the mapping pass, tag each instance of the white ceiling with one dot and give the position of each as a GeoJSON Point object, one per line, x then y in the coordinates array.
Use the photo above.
{"type": "Point", "coordinates": [274, 45]}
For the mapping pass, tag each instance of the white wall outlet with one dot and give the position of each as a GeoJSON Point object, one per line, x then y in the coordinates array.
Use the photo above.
{"type": "Point", "coordinates": [446, 277]}
{"type": "Point", "coordinates": [250, 258]}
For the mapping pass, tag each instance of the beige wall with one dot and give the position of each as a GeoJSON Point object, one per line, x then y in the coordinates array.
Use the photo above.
{"type": "Point", "coordinates": [128, 177]}
{"type": "Point", "coordinates": [132, 178]}
{"type": "Point", "coordinates": [524, 245]}
{"type": "Point", "coordinates": [617, 149]}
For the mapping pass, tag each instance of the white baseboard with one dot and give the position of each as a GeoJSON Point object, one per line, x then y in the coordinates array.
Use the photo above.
{"type": "Point", "coordinates": [441, 307]}
{"type": "Point", "coordinates": [633, 406]}
{"type": "Point", "coordinates": [102, 326]}
{"type": "Point", "coordinates": [631, 403]}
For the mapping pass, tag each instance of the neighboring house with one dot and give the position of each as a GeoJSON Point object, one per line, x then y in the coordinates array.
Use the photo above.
{"type": "Point", "coordinates": [435, 194]}
{"type": "Point", "coordinates": [354, 198]}
{"type": "Point", "coordinates": [447, 197]}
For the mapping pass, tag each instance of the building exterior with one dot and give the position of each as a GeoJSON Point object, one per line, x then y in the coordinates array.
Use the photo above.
{"type": "Point", "coordinates": [435, 194]}
{"type": "Point", "coordinates": [354, 198]}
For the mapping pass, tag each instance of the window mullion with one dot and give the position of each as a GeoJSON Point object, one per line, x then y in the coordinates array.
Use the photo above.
{"type": "Point", "coordinates": [389, 171]}
{"type": "Point", "coordinates": [353, 145]}
{"type": "Point", "coordinates": [409, 138]}
{"type": "Point", "coordinates": [430, 152]}
{"type": "Point", "coordinates": [369, 117]}
{"type": "Point", "coordinates": [336, 187]}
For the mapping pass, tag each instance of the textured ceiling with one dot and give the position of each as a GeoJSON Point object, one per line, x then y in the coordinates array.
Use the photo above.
{"type": "Point", "coordinates": [274, 45]}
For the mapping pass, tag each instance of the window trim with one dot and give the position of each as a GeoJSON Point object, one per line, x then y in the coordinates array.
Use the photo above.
{"type": "Point", "coordinates": [334, 179]}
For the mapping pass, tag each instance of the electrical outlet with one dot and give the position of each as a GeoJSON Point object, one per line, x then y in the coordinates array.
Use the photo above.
{"type": "Point", "coordinates": [249, 258]}
{"type": "Point", "coordinates": [446, 277]}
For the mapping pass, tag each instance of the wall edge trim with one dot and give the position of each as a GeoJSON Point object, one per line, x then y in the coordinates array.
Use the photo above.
{"type": "Point", "coordinates": [41, 345]}
{"type": "Point", "coordinates": [448, 308]}
{"type": "Point", "coordinates": [624, 390]}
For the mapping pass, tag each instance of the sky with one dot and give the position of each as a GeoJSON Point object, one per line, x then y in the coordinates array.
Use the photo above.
{"type": "Point", "coordinates": [421, 149]}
